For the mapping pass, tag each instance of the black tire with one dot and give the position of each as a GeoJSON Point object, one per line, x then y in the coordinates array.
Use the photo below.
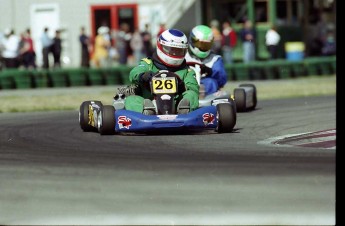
{"type": "Point", "coordinates": [233, 104]}
{"type": "Point", "coordinates": [106, 120]}
{"type": "Point", "coordinates": [84, 116]}
{"type": "Point", "coordinates": [226, 115]}
{"type": "Point", "coordinates": [255, 100]}
{"type": "Point", "coordinates": [240, 99]}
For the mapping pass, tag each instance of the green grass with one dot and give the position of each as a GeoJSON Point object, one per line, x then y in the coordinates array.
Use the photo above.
{"type": "Point", "coordinates": [291, 88]}
{"type": "Point", "coordinates": [55, 99]}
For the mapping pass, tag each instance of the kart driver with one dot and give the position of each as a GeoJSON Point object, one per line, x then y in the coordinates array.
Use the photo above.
{"type": "Point", "coordinates": [170, 54]}
{"type": "Point", "coordinates": [211, 65]}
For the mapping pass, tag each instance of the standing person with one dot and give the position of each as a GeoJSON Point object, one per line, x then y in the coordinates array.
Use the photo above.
{"type": "Point", "coordinates": [229, 40]}
{"type": "Point", "coordinates": [27, 51]}
{"type": "Point", "coordinates": [147, 41]}
{"type": "Point", "coordinates": [199, 52]}
{"type": "Point", "coordinates": [248, 37]}
{"type": "Point", "coordinates": [123, 37]}
{"type": "Point", "coordinates": [102, 43]}
{"type": "Point", "coordinates": [47, 43]}
{"type": "Point", "coordinates": [84, 43]}
{"type": "Point", "coordinates": [272, 40]}
{"type": "Point", "coordinates": [57, 49]}
{"type": "Point", "coordinates": [21, 49]}
{"type": "Point", "coordinates": [1, 49]}
{"type": "Point", "coordinates": [137, 46]}
{"type": "Point", "coordinates": [10, 51]}
{"type": "Point", "coordinates": [161, 29]}
{"type": "Point", "coordinates": [329, 46]}
{"type": "Point", "coordinates": [170, 54]}
{"type": "Point", "coordinates": [217, 43]}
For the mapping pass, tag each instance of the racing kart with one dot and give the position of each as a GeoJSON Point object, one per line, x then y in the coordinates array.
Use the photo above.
{"type": "Point", "coordinates": [244, 95]}
{"type": "Point", "coordinates": [219, 116]}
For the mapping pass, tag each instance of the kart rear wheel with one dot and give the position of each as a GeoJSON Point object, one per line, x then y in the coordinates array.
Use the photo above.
{"type": "Point", "coordinates": [255, 100]}
{"type": "Point", "coordinates": [226, 115]}
{"type": "Point", "coordinates": [106, 120]}
{"type": "Point", "coordinates": [240, 99]}
{"type": "Point", "coordinates": [233, 104]}
{"type": "Point", "coordinates": [84, 115]}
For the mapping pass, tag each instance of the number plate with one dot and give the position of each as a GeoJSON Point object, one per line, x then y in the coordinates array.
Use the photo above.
{"type": "Point", "coordinates": [163, 85]}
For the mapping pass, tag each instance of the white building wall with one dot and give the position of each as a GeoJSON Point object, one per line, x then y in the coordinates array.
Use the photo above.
{"type": "Point", "coordinates": [76, 13]}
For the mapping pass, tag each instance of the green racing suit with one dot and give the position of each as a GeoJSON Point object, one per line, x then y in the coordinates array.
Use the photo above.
{"type": "Point", "coordinates": [136, 102]}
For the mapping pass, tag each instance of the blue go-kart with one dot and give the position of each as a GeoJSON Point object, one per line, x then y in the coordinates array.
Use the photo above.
{"type": "Point", "coordinates": [220, 116]}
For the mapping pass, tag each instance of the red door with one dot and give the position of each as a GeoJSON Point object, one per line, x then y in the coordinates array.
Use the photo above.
{"type": "Point", "coordinates": [112, 16]}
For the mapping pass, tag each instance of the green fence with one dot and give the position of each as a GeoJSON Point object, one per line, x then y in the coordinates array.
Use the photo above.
{"type": "Point", "coordinates": [70, 77]}
{"type": "Point", "coordinates": [281, 69]}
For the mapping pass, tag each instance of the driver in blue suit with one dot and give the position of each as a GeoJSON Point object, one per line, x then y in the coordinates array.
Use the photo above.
{"type": "Point", "coordinates": [212, 66]}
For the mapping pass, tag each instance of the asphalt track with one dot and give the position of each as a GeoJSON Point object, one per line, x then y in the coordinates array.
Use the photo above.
{"type": "Point", "coordinates": [53, 173]}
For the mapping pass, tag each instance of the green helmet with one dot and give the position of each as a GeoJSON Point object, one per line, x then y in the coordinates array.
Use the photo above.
{"type": "Point", "coordinates": [200, 41]}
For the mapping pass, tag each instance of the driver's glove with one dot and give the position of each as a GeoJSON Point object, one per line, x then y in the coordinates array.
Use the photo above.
{"type": "Point", "coordinates": [181, 86]}
{"type": "Point", "coordinates": [146, 77]}
{"type": "Point", "coordinates": [206, 71]}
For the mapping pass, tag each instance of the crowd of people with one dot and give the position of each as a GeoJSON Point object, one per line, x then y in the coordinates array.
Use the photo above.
{"type": "Point", "coordinates": [18, 51]}
{"type": "Point", "coordinates": [126, 47]}
{"type": "Point", "coordinates": [120, 47]}
{"type": "Point", "coordinates": [225, 40]}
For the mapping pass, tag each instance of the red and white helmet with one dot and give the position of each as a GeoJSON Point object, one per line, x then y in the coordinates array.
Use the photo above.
{"type": "Point", "coordinates": [172, 47]}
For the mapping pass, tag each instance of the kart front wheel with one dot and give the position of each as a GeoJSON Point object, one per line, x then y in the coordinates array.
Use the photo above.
{"type": "Point", "coordinates": [226, 115]}
{"type": "Point", "coordinates": [84, 115]}
{"type": "Point", "coordinates": [106, 120]}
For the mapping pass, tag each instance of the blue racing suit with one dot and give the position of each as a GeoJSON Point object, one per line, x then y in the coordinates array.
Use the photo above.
{"type": "Point", "coordinates": [216, 76]}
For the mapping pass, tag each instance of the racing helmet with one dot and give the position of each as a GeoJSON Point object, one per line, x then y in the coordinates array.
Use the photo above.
{"type": "Point", "coordinates": [172, 47]}
{"type": "Point", "coordinates": [201, 41]}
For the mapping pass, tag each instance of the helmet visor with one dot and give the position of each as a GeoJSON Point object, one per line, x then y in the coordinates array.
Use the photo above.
{"type": "Point", "coordinates": [202, 45]}
{"type": "Point", "coordinates": [174, 51]}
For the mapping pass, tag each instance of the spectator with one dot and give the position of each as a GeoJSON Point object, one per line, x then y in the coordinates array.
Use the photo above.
{"type": "Point", "coordinates": [20, 49]}
{"type": "Point", "coordinates": [162, 28]}
{"type": "Point", "coordinates": [1, 49]}
{"type": "Point", "coordinates": [217, 44]}
{"type": "Point", "coordinates": [329, 45]}
{"type": "Point", "coordinates": [56, 49]}
{"type": "Point", "coordinates": [27, 51]}
{"type": "Point", "coordinates": [102, 43]}
{"type": "Point", "coordinates": [10, 49]}
{"type": "Point", "coordinates": [248, 37]}
{"type": "Point", "coordinates": [47, 43]}
{"type": "Point", "coordinates": [272, 40]}
{"type": "Point", "coordinates": [147, 41]}
{"type": "Point", "coordinates": [123, 38]}
{"type": "Point", "coordinates": [85, 43]}
{"type": "Point", "coordinates": [229, 40]}
{"type": "Point", "coordinates": [112, 50]}
{"type": "Point", "coordinates": [322, 31]}
{"type": "Point", "coordinates": [137, 46]}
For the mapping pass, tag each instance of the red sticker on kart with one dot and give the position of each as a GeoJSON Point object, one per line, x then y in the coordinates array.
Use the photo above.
{"type": "Point", "coordinates": [124, 122]}
{"type": "Point", "coordinates": [208, 118]}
